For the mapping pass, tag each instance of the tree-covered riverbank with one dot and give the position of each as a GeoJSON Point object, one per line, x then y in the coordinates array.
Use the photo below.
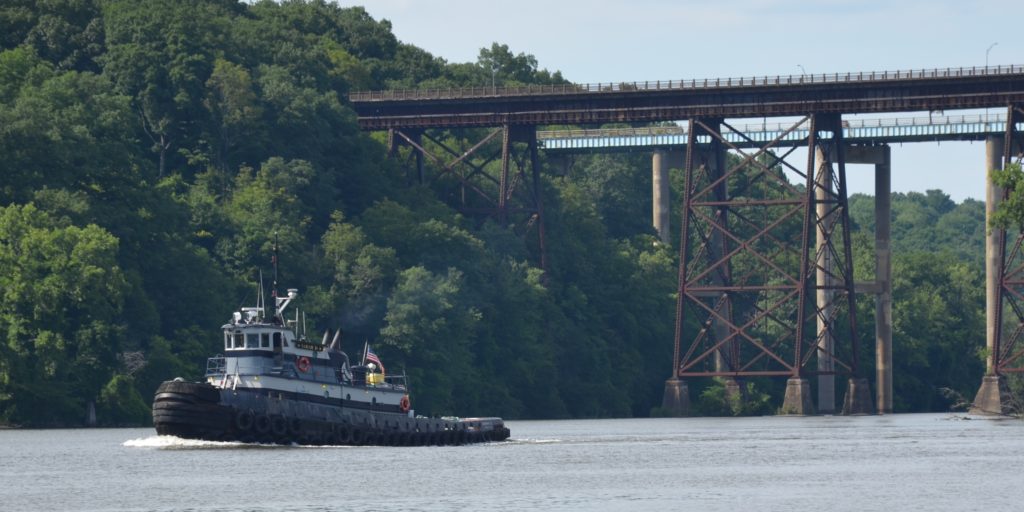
{"type": "Point", "coordinates": [149, 153]}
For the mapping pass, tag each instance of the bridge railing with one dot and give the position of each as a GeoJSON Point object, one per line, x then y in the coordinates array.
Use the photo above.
{"type": "Point", "coordinates": [667, 85]}
{"type": "Point", "coordinates": [996, 120]}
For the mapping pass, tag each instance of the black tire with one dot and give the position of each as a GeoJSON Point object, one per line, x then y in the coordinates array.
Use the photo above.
{"type": "Point", "coordinates": [342, 435]}
{"type": "Point", "coordinates": [279, 427]}
{"type": "Point", "coordinates": [244, 420]}
{"type": "Point", "coordinates": [262, 425]}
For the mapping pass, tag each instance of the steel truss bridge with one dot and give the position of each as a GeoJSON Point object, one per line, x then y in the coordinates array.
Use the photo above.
{"type": "Point", "coordinates": [765, 282]}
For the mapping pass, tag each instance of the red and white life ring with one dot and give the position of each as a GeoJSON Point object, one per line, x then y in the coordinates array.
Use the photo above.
{"type": "Point", "coordinates": [403, 404]}
{"type": "Point", "coordinates": [302, 364]}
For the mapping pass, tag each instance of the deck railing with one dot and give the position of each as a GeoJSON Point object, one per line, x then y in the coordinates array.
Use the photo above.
{"type": "Point", "coordinates": [669, 85]}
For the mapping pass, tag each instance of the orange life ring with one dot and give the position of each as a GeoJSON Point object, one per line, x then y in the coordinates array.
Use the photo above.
{"type": "Point", "coordinates": [403, 404]}
{"type": "Point", "coordinates": [302, 364]}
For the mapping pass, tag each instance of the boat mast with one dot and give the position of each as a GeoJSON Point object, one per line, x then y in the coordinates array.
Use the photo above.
{"type": "Point", "coordinates": [273, 288]}
{"type": "Point", "coordinates": [261, 303]}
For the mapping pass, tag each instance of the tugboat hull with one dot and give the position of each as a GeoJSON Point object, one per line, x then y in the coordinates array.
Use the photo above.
{"type": "Point", "coordinates": [197, 410]}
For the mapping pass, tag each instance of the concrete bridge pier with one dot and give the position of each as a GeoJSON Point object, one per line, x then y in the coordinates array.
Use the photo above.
{"type": "Point", "coordinates": [661, 161]}
{"type": "Point", "coordinates": [883, 279]}
{"type": "Point", "coordinates": [992, 397]}
{"type": "Point", "coordinates": [824, 294]}
{"type": "Point", "coordinates": [858, 394]}
{"type": "Point", "coordinates": [676, 400]}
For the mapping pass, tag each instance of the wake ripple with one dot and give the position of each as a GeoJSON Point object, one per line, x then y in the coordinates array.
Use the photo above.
{"type": "Point", "coordinates": [177, 443]}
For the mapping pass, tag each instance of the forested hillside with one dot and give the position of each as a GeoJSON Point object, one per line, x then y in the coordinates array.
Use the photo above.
{"type": "Point", "coordinates": [151, 153]}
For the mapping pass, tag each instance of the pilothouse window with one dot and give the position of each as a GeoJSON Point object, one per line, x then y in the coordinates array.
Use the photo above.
{"type": "Point", "coordinates": [265, 340]}
{"type": "Point", "coordinates": [227, 341]}
{"type": "Point", "coordinates": [252, 340]}
{"type": "Point", "coordinates": [239, 339]}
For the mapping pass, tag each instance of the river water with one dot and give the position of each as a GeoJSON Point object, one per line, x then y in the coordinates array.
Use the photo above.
{"type": "Point", "coordinates": [899, 463]}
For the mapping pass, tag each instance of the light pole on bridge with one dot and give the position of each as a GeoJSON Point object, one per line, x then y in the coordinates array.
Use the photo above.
{"type": "Point", "coordinates": [993, 45]}
{"type": "Point", "coordinates": [987, 50]}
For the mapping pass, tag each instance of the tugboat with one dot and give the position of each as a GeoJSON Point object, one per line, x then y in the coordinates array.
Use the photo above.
{"type": "Point", "coordinates": [273, 385]}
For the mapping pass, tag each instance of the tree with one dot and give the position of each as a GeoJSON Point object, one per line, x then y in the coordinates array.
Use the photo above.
{"type": "Point", "coordinates": [515, 69]}
{"type": "Point", "coordinates": [62, 297]}
{"type": "Point", "coordinates": [427, 321]}
{"type": "Point", "coordinates": [66, 33]}
{"type": "Point", "coordinates": [1009, 212]}
{"type": "Point", "coordinates": [62, 129]}
{"type": "Point", "coordinates": [161, 55]}
{"type": "Point", "coordinates": [235, 110]}
{"type": "Point", "coordinates": [938, 329]}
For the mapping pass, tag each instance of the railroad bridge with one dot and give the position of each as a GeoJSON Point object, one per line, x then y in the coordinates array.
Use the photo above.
{"type": "Point", "coordinates": [765, 265]}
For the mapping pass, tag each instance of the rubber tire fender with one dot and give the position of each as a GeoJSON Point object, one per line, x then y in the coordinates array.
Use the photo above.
{"type": "Point", "coordinates": [244, 420]}
{"type": "Point", "coordinates": [278, 426]}
{"type": "Point", "coordinates": [262, 424]}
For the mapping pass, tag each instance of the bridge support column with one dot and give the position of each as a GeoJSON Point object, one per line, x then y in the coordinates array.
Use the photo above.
{"type": "Point", "coordinates": [659, 195]}
{"type": "Point", "coordinates": [798, 398]}
{"type": "Point", "coordinates": [824, 294]}
{"type": "Point", "coordinates": [883, 279]}
{"type": "Point", "coordinates": [991, 398]}
{"type": "Point", "coordinates": [676, 401]}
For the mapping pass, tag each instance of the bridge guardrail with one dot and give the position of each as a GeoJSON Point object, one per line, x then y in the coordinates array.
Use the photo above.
{"type": "Point", "coordinates": [887, 122]}
{"type": "Point", "coordinates": [665, 85]}
{"type": "Point", "coordinates": [876, 130]}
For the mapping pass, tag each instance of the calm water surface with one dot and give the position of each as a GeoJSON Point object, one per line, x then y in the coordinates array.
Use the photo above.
{"type": "Point", "coordinates": [898, 463]}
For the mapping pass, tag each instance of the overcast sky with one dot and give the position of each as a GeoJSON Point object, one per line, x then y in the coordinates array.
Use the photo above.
{"type": "Point", "coordinates": [617, 41]}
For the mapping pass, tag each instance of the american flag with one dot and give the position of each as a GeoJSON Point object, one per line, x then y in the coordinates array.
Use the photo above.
{"type": "Point", "coordinates": [371, 357]}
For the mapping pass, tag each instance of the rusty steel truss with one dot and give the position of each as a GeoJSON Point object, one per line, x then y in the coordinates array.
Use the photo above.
{"type": "Point", "coordinates": [1008, 350]}
{"type": "Point", "coordinates": [508, 193]}
{"type": "Point", "coordinates": [756, 249]}
{"type": "Point", "coordinates": [765, 284]}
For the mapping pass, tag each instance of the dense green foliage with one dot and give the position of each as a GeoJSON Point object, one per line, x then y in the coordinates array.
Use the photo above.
{"type": "Point", "coordinates": [151, 153]}
{"type": "Point", "coordinates": [938, 295]}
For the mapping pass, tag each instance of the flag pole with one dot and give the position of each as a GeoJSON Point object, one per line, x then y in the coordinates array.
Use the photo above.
{"type": "Point", "coordinates": [366, 344]}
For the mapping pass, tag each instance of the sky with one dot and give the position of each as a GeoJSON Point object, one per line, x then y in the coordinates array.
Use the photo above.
{"type": "Point", "coordinates": [623, 41]}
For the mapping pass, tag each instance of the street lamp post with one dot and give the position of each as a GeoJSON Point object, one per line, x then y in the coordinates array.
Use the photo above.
{"type": "Point", "coordinates": [989, 49]}
{"type": "Point", "coordinates": [986, 54]}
